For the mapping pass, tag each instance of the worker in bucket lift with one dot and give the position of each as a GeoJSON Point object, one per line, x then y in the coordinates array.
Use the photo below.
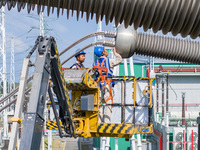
{"type": "Point", "coordinates": [80, 58]}
{"type": "Point", "coordinates": [106, 85]}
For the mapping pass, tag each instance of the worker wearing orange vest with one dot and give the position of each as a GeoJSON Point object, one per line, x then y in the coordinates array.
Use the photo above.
{"type": "Point", "coordinates": [106, 84]}
{"type": "Point", "coordinates": [80, 58]}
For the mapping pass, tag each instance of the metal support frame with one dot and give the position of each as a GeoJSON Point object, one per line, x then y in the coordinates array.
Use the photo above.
{"type": "Point", "coordinates": [33, 121]}
{"type": "Point", "coordinates": [55, 112]}
{"type": "Point", "coordinates": [19, 104]}
{"type": "Point", "coordinates": [47, 64]}
{"type": "Point", "coordinates": [61, 91]}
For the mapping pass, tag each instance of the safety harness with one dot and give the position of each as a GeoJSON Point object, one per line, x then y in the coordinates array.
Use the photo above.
{"type": "Point", "coordinates": [104, 72]}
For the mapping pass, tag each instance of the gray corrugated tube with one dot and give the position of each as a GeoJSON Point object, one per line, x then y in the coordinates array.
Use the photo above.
{"type": "Point", "coordinates": [168, 48]}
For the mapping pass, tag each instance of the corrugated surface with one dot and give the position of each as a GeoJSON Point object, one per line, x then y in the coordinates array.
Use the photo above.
{"type": "Point", "coordinates": [176, 16]}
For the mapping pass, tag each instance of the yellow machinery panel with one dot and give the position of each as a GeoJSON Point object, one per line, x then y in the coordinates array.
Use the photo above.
{"type": "Point", "coordinates": [81, 82]}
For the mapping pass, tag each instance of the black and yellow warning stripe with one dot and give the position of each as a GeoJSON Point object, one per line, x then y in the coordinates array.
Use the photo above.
{"type": "Point", "coordinates": [76, 86]}
{"type": "Point", "coordinates": [52, 125]}
{"type": "Point", "coordinates": [114, 128]}
{"type": "Point", "coordinates": [69, 106]}
{"type": "Point", "coordinates": [123, 79]}
{"type": "Point", "coordinates": [144, 78]}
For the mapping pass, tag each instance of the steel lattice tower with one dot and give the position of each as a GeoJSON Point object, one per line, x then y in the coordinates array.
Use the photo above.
{"type": "Point", "coordinates": [2, 53]}
{"type": "Point", "coordinates": [3, 80]}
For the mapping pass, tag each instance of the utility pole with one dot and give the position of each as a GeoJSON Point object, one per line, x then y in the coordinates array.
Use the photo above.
{"type": "Point", "coordinates": [3, 80]}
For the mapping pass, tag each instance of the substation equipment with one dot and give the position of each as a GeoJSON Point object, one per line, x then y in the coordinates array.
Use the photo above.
{"type": "Point", "coordinates": [78, 117]}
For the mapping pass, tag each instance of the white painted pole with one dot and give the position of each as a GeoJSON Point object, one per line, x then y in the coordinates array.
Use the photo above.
{"type": "Point", "coordinates": [107, 146]}
{"type": "Point", "coordinates": [132, 143]}
{"type": "Point", "coordinates": [116, 71]}
{"type": "Point", "coordinates": [103, 143]}
{"type": "Point", "coordinates": [18, 143]}
{"type": "Point", "coordinates": [116, 143]}
{"type": "Point", "coordinates": [167, 119]}
{"type": "Point", "coordinates": [49, 140]}
{"type": "Point", "coordinates": [139, 143]}
{"type": "Point", "coordinates": [19, 104]}
{"type": "Point", "coordinates": [157, 117]}
{"type": "Point", "coordinates": [131, 66]}
{"type": "Point", "coordinates": [125, 67]}
{"type": "Point", "coordinates": [43, 142]}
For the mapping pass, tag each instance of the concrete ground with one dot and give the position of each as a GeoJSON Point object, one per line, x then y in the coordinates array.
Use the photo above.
{"type": "Point", "coordinates": [61, 143]}
{"type": "Point", "coordinates": [71, 144]}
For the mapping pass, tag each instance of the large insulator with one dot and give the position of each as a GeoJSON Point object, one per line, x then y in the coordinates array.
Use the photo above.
{"type": "Point", "coordinates": [126, 40]}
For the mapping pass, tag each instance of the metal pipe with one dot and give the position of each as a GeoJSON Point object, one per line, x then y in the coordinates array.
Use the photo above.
{"type": "Point", "coordinates": [192, 140]}
{"type": "Point", "coordinates": [105, 43]}
{"type": "Point", "coordinates": [122, 101]}
{"type": "Point", "coordinates": [167, 93]}
{"type": "Point", "coordinates": [125, 67]}
{"type": "Point", "coordinates": [14, 91]}
{"type": "Point", "coordinates": [111, 34]}
{"type": "Point", "coordinates": [183, 109]}
{"type": "Point", "coordinates": [10, 103]}
{"type": "Point", "coordinates": [176, 16]}
{"type": "Point", "coordinates": [131, 65]}
{"type": "Point", "coordinates": [163, 102]}
{"type": "Point", "coordinates": [183, 139]}
{"type": "Point", "coordinates": [157, 93]}
{"type": "Point", "coordinates": [107, 145]}
{"type": "Point", "coordinates": [49, 139]}
{"type": "Point", "coordinates": [116, 143]}
{"type": "Point", "coordinates": [157, 99]}
{"type": "Point", "coordinates": [103, 143]}
{"type": "Point", "coordinates": [167, 101]}
{"type": "Point", "coordinates": [132, 143]}
{"type": "Point", "coordinates": [139, 143]}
